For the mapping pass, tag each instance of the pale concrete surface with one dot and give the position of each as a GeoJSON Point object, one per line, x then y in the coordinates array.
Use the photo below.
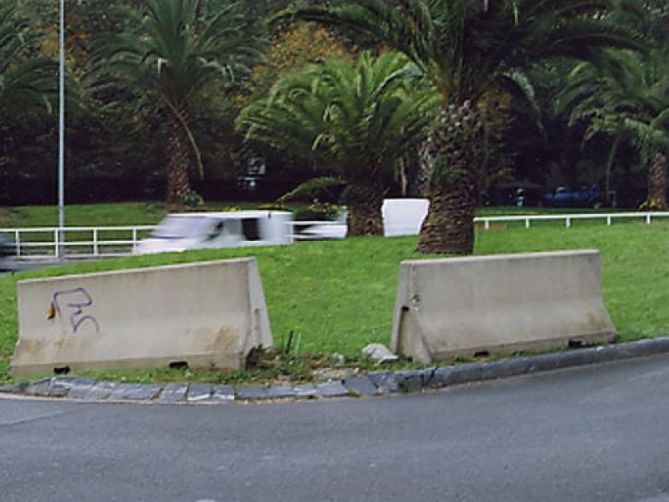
{"type": "Point", "coordinates": [592, 434]}
{"type": "Point", "coordinates": [203, 314]}
{"type": "Point", "coordinates": [498, 305]}
{"type": "Point", "coordinates": [403, 216]}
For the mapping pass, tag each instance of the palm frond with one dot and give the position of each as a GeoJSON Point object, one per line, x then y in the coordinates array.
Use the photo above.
{"type": "Point", "coordinates": [462, 46]}
{"type": "Point", "coordinates": [359, 121]}
{"type": "Point", "coordinates": [26, 82]}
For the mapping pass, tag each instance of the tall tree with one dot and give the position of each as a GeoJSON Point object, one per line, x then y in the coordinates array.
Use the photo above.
{"type": "Point", "coordinates": [177, 50]}
{"type": "Point", "coordinates": [465, 47]}
{"type": "Point", "coordinates": [626, 99]}
{"type": "Point", "coordinates": [26, 82]}
{"type": "Point", "coordinates": [356, 121]}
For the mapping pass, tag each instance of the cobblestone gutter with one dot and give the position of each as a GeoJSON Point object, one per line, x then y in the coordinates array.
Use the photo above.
{"type": "Point", "coordinates": [374, 384]}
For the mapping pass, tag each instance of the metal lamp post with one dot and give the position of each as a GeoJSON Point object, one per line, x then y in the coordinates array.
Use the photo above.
{"type": "Point", "coordinates": [61, 133]}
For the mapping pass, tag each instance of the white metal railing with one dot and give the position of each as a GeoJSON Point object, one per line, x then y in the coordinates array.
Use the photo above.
{"type": "Point", "coordinates": [45, 242]}
{"type": "Point", "coordinates": [569, 218]}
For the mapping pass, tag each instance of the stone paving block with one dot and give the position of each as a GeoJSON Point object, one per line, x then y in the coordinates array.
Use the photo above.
{"type": "Point", "coordinates": [251, 393]}
{"type": "Point", "coordinates": [361, 386]}
{"type": "Point", "coordinates": [331, 389]}
{"type": "Point", "coordinates": [135, 392]}
{"type": "Point", "coordinates": [385, 381]}
{"type": "Point", "coordinates": [173, 393]}
{"type": "Point", "coordinates": [509, 367]}
{"type": "Point", "coordinates": [463, 373]}
{"type": "Point", "coordinates": [101, 390]}
{"type": "Point", "coordinates": [410, 380]}
{"type": "Point", "coordinates": [224, 393]}
{"type": "Point", "coordinates": [121, 389]}
{"type": "Point", "coordinates": [442, 376]}
{"type": "Point", "coordinates": [281, 392]}
{"type": "Point", "coordinates": [609, 353]}
{"type": "Point", "coordinates": [543, 362]}
{"type": "Point", "coordinates": [66, 386]}
{"type": "Point", "coordinates": [616, 352]}
{"type": "Point", "coordinates": [39, 387]}
{"type": "Point", "coordinates": [13, 388]}
{"type": "Point", "coordinates": [427, 374]}
{"type": "Point", "coordinates": [79, 391]}
{"type": "Point", "coordinates": [305, 391]}
{"type": "Point", "coordinates": [575, 357]}
{"type": "Point", "coordinates": [199, 392]}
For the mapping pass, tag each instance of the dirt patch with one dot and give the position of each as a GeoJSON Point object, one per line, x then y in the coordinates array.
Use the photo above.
{"type": "Point", "coordinates": [284, 368]}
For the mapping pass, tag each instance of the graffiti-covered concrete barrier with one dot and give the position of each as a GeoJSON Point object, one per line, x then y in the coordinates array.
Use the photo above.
{"type": "Point", "coordinates": [499, 305]}
{"type": "Point", "coordinates": [203, 315]}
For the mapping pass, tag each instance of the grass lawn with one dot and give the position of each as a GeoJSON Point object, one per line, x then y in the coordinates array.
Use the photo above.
{"type": "Point", "coordinates": [339, 296]}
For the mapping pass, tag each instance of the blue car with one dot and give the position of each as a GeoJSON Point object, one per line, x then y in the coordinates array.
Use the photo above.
{"type": "Point", "coordinates": [584, 196]}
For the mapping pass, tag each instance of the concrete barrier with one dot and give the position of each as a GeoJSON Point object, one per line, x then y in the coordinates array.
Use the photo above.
{"type": "Point", "coordinates": [498, 305]}
{"type": "Point", "coordinates": [208, 314]}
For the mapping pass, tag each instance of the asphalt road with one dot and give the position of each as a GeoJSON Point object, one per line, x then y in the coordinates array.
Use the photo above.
{"type": "Point", "coordinates": [597, 433]}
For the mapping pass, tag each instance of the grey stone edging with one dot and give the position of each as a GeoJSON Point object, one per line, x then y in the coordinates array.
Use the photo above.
{"type": "Point", "coordinates": [373, 384]}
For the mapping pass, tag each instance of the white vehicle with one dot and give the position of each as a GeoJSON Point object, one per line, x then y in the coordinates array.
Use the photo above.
{"type": "Point", "coordinates": [182, 231]}
{"type": "Point", "coordinates": [325, 230]}
{"type": "Point", "coordinates": [400, 217]}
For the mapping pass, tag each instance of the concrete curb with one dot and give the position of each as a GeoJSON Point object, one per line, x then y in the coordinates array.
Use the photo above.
{"type": "Point", "coordinates": [373, 384]}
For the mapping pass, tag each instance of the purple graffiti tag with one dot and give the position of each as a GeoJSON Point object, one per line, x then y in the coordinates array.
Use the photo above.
{"type": "Point", "coordinates": [75, 301]}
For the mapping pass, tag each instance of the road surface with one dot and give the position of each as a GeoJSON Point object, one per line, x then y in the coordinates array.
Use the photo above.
{"type": "Point", "coordinates": [595, 433]}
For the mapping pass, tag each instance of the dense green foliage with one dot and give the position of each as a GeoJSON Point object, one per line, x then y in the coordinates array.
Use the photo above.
{"type": "Point", "coordinates": [467, 49]}
{"type": "Point", "coordinates": [357, 122]}
{"type": "Point", "coordinates": [116, 127]}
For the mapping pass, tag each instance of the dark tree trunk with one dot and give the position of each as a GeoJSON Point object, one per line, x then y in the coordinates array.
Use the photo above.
{"type": "Point", "coordinates": [425, 157]}
{"type": "Point", "coordinates": [179, 191]}
{"type": "Point", "coordinates": [449, 225]}
{"type": "Point", "coordinates": [364, 209]}
{"type": "Point", "coordinates": [657, 182]}
{"type": "Point", "coordinates": [457, 151]}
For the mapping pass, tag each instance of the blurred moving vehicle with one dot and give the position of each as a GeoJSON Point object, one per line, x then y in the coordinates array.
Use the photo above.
{"type": "Point", "coordinates": [7, 252]}
{"type": "Point", "coordinates": [583, 196]}
{"type": "Point", "coordinates": [400, 217]}
{"type": "Point", "coordinates": [182, 231]}
{"type": "Point", "coordinates": [326, 230]}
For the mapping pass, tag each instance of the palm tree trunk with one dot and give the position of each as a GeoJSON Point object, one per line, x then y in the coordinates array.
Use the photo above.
{"type": "Point", "coordinates": [425, 157]}
{"type": "Point", "coordinates": [609, 168]}
{"type": "Point", "coordinates": [364, 209]}
{"type": "Point", "coordinates": [449, 225]}
{"type": "Point", "coordinates": [177, 151]}
{"type": "Point", "coordinates": [458, 149]}
{"type": "Point", "coordinates": [657, 182]}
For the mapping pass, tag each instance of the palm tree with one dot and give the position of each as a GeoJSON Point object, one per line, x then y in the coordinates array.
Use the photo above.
{"type": "Point", "coordinates": [178, 49]}
{"type": "Point", "coordinates": [627, 99]}
{"type": "Point", "coordinates": [465, 47]}
{"type": "Point", "coordinates": [355, 121]}
{"type": "Point", "coordinates": [25, 82]}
